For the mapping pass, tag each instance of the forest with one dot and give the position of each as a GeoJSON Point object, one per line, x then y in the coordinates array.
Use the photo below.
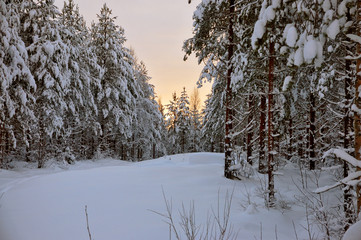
{"type": "Point", "coordinates": [286, 89]}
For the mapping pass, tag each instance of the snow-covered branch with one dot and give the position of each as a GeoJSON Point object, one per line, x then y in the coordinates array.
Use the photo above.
{"type": "Point", "coordinates": [353, 179]}
{"type": "Point", "coordinates": [344, 156]}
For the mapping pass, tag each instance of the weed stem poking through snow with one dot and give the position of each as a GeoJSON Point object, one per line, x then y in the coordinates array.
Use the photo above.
{"type": "Point", "coordinates": [87, 222]}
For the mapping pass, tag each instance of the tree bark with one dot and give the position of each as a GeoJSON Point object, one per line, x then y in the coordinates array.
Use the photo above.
{"type": "Point", "coordinates": [229, 117]}
{"type": "Point", "coordinates": [41, 150]}
{"type": "Point", "coordinates": [347, 196]}
{"type": "Point", "coordinates": [270, 143]}
{"type": "Point", "coordinates": [312, 131]}
{"type": "Point", "coordinates": [249, 130]}
{"type": "Point", "coordinates": [290, 141]}
{"type": "Point", "coordinates": [347, 203]}
{"type": "Point", "coordinates": [357, 117]}
{"type": "Point", "coordinates": [262, 135]}
{"type": "Point", "coordinates": [2, 150]}
{"type": "Point", "coordinates": [154, 151]}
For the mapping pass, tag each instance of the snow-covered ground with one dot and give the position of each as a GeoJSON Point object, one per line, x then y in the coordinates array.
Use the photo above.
{"type": "Point", "coordinates": [44, 204]}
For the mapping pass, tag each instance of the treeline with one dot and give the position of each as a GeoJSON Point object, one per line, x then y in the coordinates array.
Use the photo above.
{"type": "Point", "coordinates": [284, 82]}
{"type": "Point", "coordinates": [70, 92]}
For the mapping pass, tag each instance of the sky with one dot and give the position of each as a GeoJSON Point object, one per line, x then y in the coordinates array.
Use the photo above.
{"type": "Point", "coordinates": [156, 31]}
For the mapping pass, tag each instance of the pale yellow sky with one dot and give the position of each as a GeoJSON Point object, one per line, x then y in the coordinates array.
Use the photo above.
{"type": "Point", "coordinates": [156, 31]}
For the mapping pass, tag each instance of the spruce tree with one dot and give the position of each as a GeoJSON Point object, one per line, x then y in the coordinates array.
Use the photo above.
{"type": "Point", "coordinates": [48, 62]}
{"type": "Point", "coordinates": [17, 84]}
{"type": "Point", "coordinates": [117, 95]}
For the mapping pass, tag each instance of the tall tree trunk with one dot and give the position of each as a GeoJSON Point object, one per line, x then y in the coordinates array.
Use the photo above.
{"type": "Point", "coordinates": [300, 144]}
{"type": "Point", "coordinates": [357, 117]}
{"type": "Point", "coordinates": [132, 149]}
{"type": "Point", "coordinates": [347, 203]}
{"type": "Point", "coordinates": [249, 130]}
{"type": "Point", "coordinates": [312, 131]}
{"type": "Point", "coordinates": [262, 136]}
{"type": "Point", "coordinates": [154, 151]}
{"type": "Point", "coordinates": [290, 141]}
{"type": "Point", "coordinates": [270, 143]}
{"type": "Point", "coordinates": [229, 117]}
{"type": "Point", "coordinates": [2, 146]}
{"type": "Point", "coordinates": [347, 196]}
{"type": "Point", "coordinates": [41, 150]}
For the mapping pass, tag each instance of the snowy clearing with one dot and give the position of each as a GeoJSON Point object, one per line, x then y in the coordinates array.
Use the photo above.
{"type": "Point", "coordinates": [49, 203]}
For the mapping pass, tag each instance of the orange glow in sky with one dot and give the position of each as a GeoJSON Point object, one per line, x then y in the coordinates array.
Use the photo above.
{"type": "Point", "coordinates": [155, 29]}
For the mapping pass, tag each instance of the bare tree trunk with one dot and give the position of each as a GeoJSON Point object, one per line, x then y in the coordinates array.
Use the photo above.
{"type": "Point", "coordinates": [312, 131]}
{"type": "Point", "coordinates": [229, 117]}
{"type": "Point", "coordinates": [2, 147]}
{"type": "Point", "coordinates": [347, 203]}
{"type": "Point", "coordinates": [270, 143]}
{"type": "Point", "coordinates": [249, 130]}
{"type": "Point", "coordinates": [357, 117]}
{"type": "Point", "coordinates": [183, 141]}
{"type": "Point", "coordinates": [41, 150]}
{"type": "Point", "coordinates": [132, 150]}
{"type": "Point", "coordinates": [154, 149]}
{"type": "Point", "coordinates": [262, 135]}
{"type": "Point", "coordinates": [347, 196]}
{"type": "Point", "coordinates": [290, 142]}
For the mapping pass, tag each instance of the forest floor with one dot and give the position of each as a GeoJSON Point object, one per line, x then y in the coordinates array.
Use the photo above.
{"type": "Point", "coordinates": [122, 198]}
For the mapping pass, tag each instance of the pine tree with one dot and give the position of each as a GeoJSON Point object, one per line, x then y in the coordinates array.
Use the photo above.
{"type": "Point", "coordinates": [48, 57]}
{"type": "Point", "coordinates": [84, 77]}
{"type": "Point", "coordinates": [148, 126]}
{"type": "Point", "coordinates": [172, 123]}
{"type": "Point", "coordinates": [196, 121]}
{"type": "Point", "coordinates": [213, 125]}
{"type": "Point", "coordinates": [17, 83]}
{"type": "Point", "coordinates": [184, 122]}
{"type": "Point", "coordinates": [213, 41]}
{"type": "Point", "coordinates": [118, 93]}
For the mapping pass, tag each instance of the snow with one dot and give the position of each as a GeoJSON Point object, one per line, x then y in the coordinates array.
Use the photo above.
{"type": "Point", "coordinates": [120, 197]}
{"type": "Point", "coordinates": [344, 156]}
{"type": "Point", "coordinates": [270, 14]}
{"type": "Point", "coordinates": [354, 38]}
{"type": "Point", "coordinates": [259, 30]}
{"type": "Point", "coordinates": [333, 29]}
{"type": "Point", "coordinates": [48, 48]}
{"type": "Point", "coordinates": [22, 96]}
{"type": "Point", "coordinates": [286, 83]}
{"type": "Point", "coordinates": [326, 188]}
{"type": "Point", "coordinates": [310, 49]}
{"type": "Point", "coordinates": [276, 3]}
{"type": "Point", "coordinates": [298, 57]}
{"type": "Point", "coordinates": [354, 232]}
{"type": "Point", "coordinates": [291, 36]}
{"type": "Point", "coordinates": [326, 5]}
{"type": "Point", "coordinates": [342, 7]}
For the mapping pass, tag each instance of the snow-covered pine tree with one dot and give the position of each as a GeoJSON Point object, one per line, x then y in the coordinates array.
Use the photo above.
{"type": "Point", "coordinates": [184, 122]}
{"type": "Point", "coordinates": [196, 121]}
{"type": "Point", "coordinates": [212, 136]}
{"type": "Point", "coordinates": [84, 76]}
{"type": "Point", "coordinates": [213, 41]}
{"type": "Point", "coordinates": [266, 34]}
{"type": "Point", "coordinates": [117, 97]}
{"type": "Point", "coordinates": [314, 44]}
{"type": "Point", "coordinates": [17, 85]}
{"type": "Point", "coordinates": [49, 58]}
{"type": "Point", "coordinates": [148, 124]}
{"type": "Point", "coordinates": [248, 85]}
{"type": "Point", "coordinates": [172, 125]}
